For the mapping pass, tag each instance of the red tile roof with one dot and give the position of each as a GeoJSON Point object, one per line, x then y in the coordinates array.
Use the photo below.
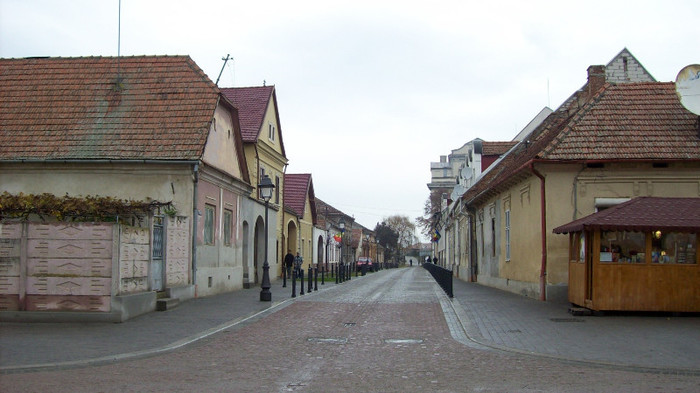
{"type": "Point", "coordinates": [635, 121]}
{"type": "Point", "coordinates": [496, 148]}
{"type": "Point", "coordinates": [74, 108]}
{"type": "Point", "coordinates": [297, 189]}
{"type": "Point", "coordinates": [252, 104]}
{"type": "Point", "coordinates": [642, 214]}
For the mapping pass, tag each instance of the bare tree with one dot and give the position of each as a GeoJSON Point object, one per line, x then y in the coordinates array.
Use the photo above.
{"type": "Point", "coordinates": [431, 212]}
{"type": "Point", "coordinates": [405, 229]}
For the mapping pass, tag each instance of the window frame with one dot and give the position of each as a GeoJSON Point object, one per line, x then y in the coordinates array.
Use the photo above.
{"type": "Point", "coordinates": [209, 233]}
{"type": "Point", "coordinates": [228, 226]}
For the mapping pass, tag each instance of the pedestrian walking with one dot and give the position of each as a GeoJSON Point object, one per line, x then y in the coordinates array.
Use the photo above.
{"type": "Point", "coordinates": [298, 260]}
{"type": "Point", "coordinates": [288, 263]}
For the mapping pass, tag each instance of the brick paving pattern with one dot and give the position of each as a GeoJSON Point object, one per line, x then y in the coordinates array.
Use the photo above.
{"type": "Point", "coordinates": [392, 331]}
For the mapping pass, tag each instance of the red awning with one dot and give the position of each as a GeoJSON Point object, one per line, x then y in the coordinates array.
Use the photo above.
{"type": "Point", "coordinates": [643, 214]}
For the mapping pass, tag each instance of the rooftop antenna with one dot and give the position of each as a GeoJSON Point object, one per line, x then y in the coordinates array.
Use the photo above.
{"type": "Point", "coordinates": [119, 48]}
{"type": "Point", "coordinates": [225, 59]}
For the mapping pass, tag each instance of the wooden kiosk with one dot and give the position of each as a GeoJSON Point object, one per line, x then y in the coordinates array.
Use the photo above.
{"type": "Point", "coordinates": [641, 255]}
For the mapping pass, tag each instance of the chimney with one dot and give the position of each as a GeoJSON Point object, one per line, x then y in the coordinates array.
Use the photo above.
{"type": "Point", "coordinates": [596, 79]}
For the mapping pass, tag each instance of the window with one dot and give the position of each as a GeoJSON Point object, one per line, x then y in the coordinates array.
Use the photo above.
{"type": "Point", "coordinates": [271, 132]}
{"type": "Point", "coordinates": [507, 235]}
{"type": "Point", "coordinates": [277, 190]}
{"type": "Point", "coordinates": [228, 221]}
{"type": "Point", "coordinates": [261, 175]}
{"type": "Point", "coordinates": [493, 237]}
{"type": "Point", "coordinates": [674, 247]}
{"type": "Point", "coordinates": [622, 246]}
{"type": "Point", "coordinates": [209, 224]}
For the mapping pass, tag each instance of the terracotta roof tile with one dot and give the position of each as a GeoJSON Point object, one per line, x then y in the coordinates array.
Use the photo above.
{"type": "Point", "coordinates": [73, 108]}
{"type": "Point", "coordinates": [297, 189]}
{"type": "Point", "coordinates": [634, 121]}
{"type": "Point", "coordinates": [252, 103]}
{"type": "Point", "coordinates": [643, 121]}
{"type": "Point", "coordinates": [496, 148]}
{"type": "Point", "coordinates": [642, 214]}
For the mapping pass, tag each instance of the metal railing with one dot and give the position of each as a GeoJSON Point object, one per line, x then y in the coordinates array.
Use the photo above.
{"type": "Point", "coordinates": [442, 276]}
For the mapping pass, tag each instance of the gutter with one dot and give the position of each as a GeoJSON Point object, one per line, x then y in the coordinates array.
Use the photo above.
{"type": "Point", "coordinates": [95, 161]}
{"type": "Point", "coordinates": [543, 229]}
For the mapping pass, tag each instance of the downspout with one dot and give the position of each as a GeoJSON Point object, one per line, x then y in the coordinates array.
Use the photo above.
{"type": "Point", "coordinates": [543, 229]}
{"type": "Point", "coordinates": [473, 253]}
{"type": "Point", "coordinates": [195, 213]}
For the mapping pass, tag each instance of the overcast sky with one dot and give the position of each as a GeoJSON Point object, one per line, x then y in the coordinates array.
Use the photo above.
{"type": "Point", "coordinates": [371, 92]}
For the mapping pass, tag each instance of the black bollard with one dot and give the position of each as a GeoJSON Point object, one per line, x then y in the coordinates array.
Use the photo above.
{"type": "Point", "coordinates": [316, 278]}
{"type": "Point", "coordinates": [284, 277]}
{"type": "Point", "coordinates": [311, 280]}
{"type": "Point", "coordinates": [323, 271]}
{"type": "Point", "coordinates": [335, 272]}
{"type": "Point", "coordinates": [301, 276]}
{"type": "Point", "coordinates": [294, 283]}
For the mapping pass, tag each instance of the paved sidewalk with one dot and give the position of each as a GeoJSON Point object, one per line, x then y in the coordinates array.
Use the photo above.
{"type": "Point", "coordinates": [651, 341]}
{"type": "Point", "coordinates": [477, 316]}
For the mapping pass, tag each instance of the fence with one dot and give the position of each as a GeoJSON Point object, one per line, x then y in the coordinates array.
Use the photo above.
{"type": "Point", "coordinates": [442, 276]}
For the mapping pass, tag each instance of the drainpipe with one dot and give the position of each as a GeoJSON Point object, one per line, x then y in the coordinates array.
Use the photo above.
{"type": "Point", "coordinates": [543, 229]}
{"type": "Point", "coordinates": [195, 213]}
{"type": "Point", "coordinates": [473, 256]}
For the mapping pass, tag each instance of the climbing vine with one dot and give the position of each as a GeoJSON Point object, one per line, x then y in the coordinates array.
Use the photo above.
{"type": "Point", "coordinates": [72, 208]}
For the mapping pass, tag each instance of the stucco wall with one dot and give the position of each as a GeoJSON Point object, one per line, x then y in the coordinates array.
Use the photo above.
{"type": "Point", "coordinates": [571, 193]}
{"type": "Point", "coordinates": [220, 151]}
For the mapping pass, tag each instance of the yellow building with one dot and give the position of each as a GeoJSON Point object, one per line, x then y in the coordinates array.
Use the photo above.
{"type": "Point", "coordinates": [299, 216]}
{"type": "Point", "coordinates": [608, 144]}
{"type": "Point", "coordinates": [264, 151]}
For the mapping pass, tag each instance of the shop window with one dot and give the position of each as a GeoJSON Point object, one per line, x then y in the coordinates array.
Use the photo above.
{"type": "Point", "coordinates": [674, 247]}
{"type": "Point", "coordinates": [578, 247]}
{"type": "Point", "coordinates": [622, 246]}
{"type": "Point", "coordinates": [209, 224]}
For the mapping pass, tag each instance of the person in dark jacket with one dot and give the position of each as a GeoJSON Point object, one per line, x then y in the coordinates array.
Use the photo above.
{"type": "Point", "coordinates": [288, 262]}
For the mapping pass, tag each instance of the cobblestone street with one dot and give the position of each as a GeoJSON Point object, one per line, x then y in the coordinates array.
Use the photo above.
{"type": "Point", "coordinates": [386, 332]}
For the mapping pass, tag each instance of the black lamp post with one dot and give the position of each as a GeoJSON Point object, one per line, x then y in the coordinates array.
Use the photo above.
{"type": "Point", "coordinates": [266, 187]}
{"type": "Point", "coordinates": [341, 224]}
{"type": "Point", "coordinates": [376, 254]}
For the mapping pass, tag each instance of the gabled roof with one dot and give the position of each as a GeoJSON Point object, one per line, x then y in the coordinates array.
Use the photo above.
{"type": "Point", "coordinates": [643, 121]}
{"type": "Point", "coordinates": [632, 121]}
{"type": "Point", "coordinates": [297, 189]}
{"type": "Point", "coordinates": [642, 214]}
{"type": "Point", "coordinates": [253, 103]}
{"type": "Point", "coordinates": [148, 107]}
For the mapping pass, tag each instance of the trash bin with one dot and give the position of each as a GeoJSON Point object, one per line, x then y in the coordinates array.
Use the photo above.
{"type": "Point", "coordinates": [364, 269]}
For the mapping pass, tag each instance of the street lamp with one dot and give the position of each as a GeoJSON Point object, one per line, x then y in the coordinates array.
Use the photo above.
{"type": "Point", "coordinates": [266, 187]}
{"type": "Point", "coordinates": [376, 254]}
{"type": "Point", "coordinates": [341, 224]}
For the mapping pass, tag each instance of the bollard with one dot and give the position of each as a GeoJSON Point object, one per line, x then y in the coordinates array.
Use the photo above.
{"type": "Point", "coordinates": [284, 277]}
{"type": "Point", "coordinates": [323, 271]}
{"type": "Point", "coordinates": [294, 283]}
{"type": "Point", "coordinates": [335, 272]}
{"type": "Point", "coordinates": [311, 279]}
{"type": "Point", "coordinates": [301, 276]}
{"type": "Point", "coordinates": [316, 278]}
